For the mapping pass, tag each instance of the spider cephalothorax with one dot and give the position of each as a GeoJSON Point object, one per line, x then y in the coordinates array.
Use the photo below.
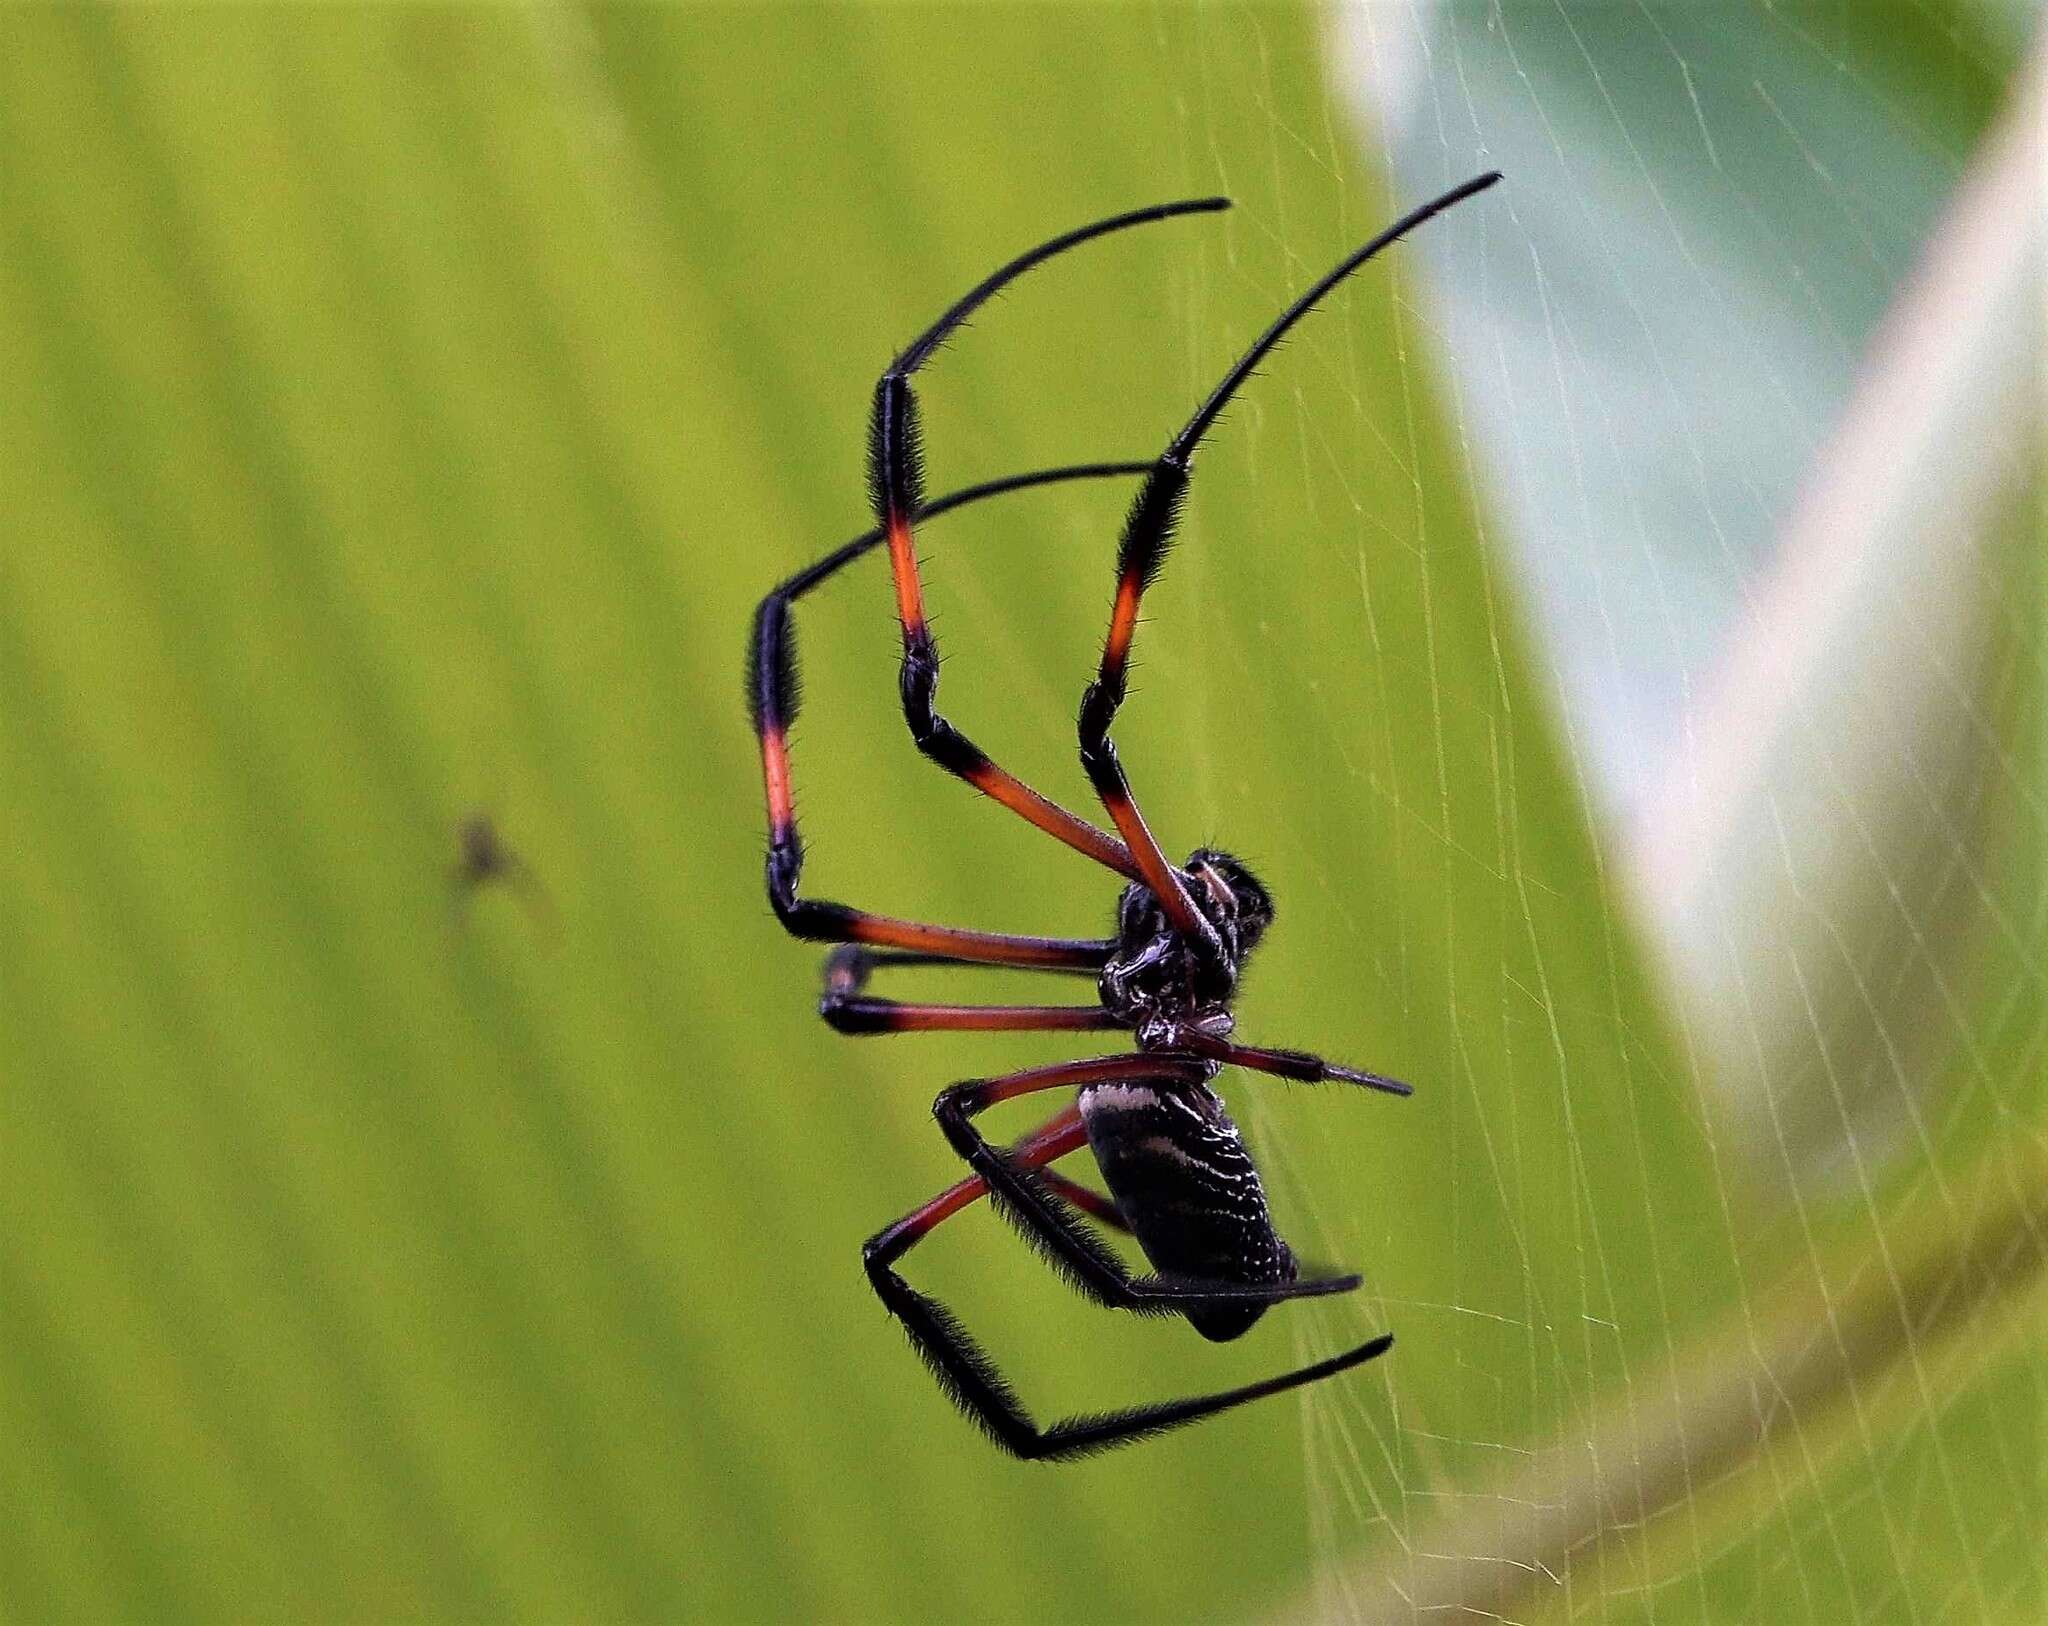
{"type": "Point", "coordinates": [1181, 1183]}
{"type": "Point", "coordinates": [1159, 978]}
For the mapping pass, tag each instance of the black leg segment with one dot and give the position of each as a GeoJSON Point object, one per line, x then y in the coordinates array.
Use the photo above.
{"type": "Point", "coordinates": [896, 488]}
{"type": "Point", "coordinates": [1148, 533]}
{"type": "Point", "coordinates": [773, 696]}
{"type": "Point", "coordinates": [964, 1370]}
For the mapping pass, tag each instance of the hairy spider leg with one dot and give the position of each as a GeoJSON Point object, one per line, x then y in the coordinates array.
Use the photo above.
{"type": "Point", "coordinates": [773, 697]}
{"type": "Point", "coordinates": [847, 1012]}
{"type": "Point", "coordinates": [1148, 533]}
{"type": "Point", "coordinates": [1299, 1065]}
{"type": "Point", "coordinates": [1069, 1247]}
{"type": "Point", "coordinates": [896, 486]}
{"type": "Point", "coordinates": [864, 1018]}
{"type": "Point", "coordinates": [1060, 1134]}
{"type": "Point", "coordinates": [846, 971]}
{"type": "Point", "coordinates": [964, 1369]}
{"type": "Point", "coordinates": [846, 1008]}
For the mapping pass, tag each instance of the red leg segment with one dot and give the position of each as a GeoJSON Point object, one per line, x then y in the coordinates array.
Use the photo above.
{"type": "Point", "coordinates": [1148, 533]}
{"type": "Point", "coordinates": [1061, 1134]}
{"type": "Point", "coordinates": [773, 697]}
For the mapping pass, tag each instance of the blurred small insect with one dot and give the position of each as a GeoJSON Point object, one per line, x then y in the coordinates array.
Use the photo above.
{"type": "Point", "coordinates": [484, 859]}
{"type": "Point", "coordinates": [1180, 1180]}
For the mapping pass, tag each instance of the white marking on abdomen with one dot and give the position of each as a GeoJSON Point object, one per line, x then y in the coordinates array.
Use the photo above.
{"type": "Point", "coordinates": [1161, 1146]}
{"type": "Point", "coordinates": [1118, 1098]}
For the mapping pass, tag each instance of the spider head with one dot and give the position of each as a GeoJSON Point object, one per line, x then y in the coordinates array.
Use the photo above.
{"type": "Point", "coordinates": [1230, 895]}
{"type": "Point", "coordinates": [1155, 971]}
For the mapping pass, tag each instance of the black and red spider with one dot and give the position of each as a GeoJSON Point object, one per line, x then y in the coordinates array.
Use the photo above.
{"type": "Point", "coordinates": [1180, 1181]}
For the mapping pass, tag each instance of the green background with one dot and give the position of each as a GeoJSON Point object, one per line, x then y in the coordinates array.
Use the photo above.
{"type": "Point", "coordinates": [404, 410]}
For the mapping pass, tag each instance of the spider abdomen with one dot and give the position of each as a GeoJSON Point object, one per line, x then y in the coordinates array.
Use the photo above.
{"type": "Point", "coordinates": [1184, 1183]}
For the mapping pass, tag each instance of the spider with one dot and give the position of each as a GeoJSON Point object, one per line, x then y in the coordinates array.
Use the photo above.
{"type": "Point", "coordinates": [1180, 1180]}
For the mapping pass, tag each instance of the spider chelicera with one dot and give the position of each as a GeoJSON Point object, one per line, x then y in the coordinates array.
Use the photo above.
{"type": "Point", "coordinates": [1180, 1181]}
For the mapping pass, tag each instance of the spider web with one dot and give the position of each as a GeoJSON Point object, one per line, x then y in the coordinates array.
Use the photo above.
{"type": "Point", "coordinates": [1643, 348]}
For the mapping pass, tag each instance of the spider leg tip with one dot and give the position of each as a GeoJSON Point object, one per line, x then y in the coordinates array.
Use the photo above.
{"type": "Point", "coordinates": [1372, 1081]}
